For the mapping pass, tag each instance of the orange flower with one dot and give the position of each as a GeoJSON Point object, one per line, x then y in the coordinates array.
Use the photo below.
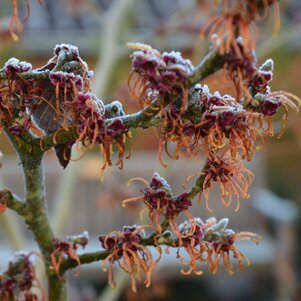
{"type": "Point", "coordinates": [89, 120]}
{"type": "Point", "coordinates": [232, 177]}
{"type": "Point", "coordinates": [67, 247]}
{"type": "Point", "coordinates": [237, 19]}
{"type": "Point", "coordinates": [268, 105]}
{"type": "Point", "coordinates": [160, 202]}
{"type": "Point", "coordinates": [15, 25]}
{"type": "Point", "coordinates": [126, 248]}
{"type": "Point", "coordinates": [218, 122]}
{"type": "Point", "coordinates": [160, 76]}
{"type": "Point", "coordinates": [212, 242]}
{"type": "Point", "coordinates": [225, 122]}
{"type": "Point", "coordinates": [241, 68]}
{"type": "Point", "coordinates": [161, 83]}
{"type": "Point", "coordinates": [19, 281]}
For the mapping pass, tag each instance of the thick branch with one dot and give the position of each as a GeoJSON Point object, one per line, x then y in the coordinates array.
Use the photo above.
{"type": "Point", "coordinates": [143, 119]}
{"type": "Point", "coordinates": [36, 216]}
{"type": "Point", "coordinates": [211, 63]}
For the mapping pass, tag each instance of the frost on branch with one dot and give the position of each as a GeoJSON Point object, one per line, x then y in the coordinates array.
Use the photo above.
{"type": "Point", "coordinates": [195, 119]}
{"type": "Point", "coordinates": [57, 97]}
{"type": "Point", "coordinates": [54, 106]}
{"type": "Point", "coordinates": [212, 242]}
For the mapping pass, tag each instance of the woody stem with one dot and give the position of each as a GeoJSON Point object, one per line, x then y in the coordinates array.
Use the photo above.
{"type": "Point", "coordinates": [34, 212]}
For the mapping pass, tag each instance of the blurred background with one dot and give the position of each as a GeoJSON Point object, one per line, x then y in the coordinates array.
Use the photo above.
{"type": "Point", "coordinates": [79, 201]}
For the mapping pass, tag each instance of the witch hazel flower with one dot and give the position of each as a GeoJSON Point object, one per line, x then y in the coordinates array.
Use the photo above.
{"type": "Point", "coordinates": [127, 249]}
{"type": "Point", "coordinates": [17, 282]}
{"type": "Point", "coordinates": [225, 122]}
{"type": "Point", "coordinates": [66, 80]}
{"type": "Point", "coordinates": [159, 199]}
{"type": "Point", "coordinates": [212, 242]}
{"type": "Point", "coordinates": [67, 248]}
{"type": "Point", "coordinates": [70, 51]}
{"type": "Point", "coordinates": [89, 119]}
{"type": "Point", "coordinates": [259, 83]}
{"type": "Point", "coordinates": [241, 67]}
{"type": "Point", "coordinates": [160, 79]}
{"type": "Point", "coordinates": [266, 102]}
{"type": "Point", "coordinates": [14, 66]}
{"type": "Point", "coordinates": [161, 204]}
{"type": "Point", "coordinates": [231, 176]}
{"type": "Point", "coordinates": [162, 72]}
{"type": "Point", "coordinates": [237, 18]}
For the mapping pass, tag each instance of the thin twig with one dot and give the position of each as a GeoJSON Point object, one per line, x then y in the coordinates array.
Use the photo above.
{"type": "Point", "coordinates": [13, 202]}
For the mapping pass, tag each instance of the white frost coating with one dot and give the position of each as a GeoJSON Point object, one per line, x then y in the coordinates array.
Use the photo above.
{"type": "Point", "coordinates": [217, 94]}
{"type": "Point", "coordinates": [15, 62]}
{"type": "Point", "coordinates": [205, 89]}
{"type": "Point", "coordinates": [267, 66]}
{"type": "Point", "coordinates": [85, 234]}
{"type": "Point", "coordinates": [177, 55]}
{"type": "Point", "coordinates": [186, 226]}
{"type": "Point", "coordinates": [180, 61]}
{"type": "Point", "coordinates": [215, 39]}
{"type": "Point", "coordinates": [164, 182]}
{"type": "Point", "coordinates": [19, 256]}
{"type": "Point", "coordinates": [211, 220]}
{"type": "Point", "coordinates": [64, 45]}
{"type": "Point", "coordinates": [222, 224]}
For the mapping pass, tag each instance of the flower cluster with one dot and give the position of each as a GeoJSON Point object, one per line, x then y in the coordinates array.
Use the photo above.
{"type": "Point", "coordinates": [17, 282]}
{"type": "Point", "coordinates": [67, 247]}
{"type": "Point", "coordinates": [89, 113]}
{"type": "Point", "coordinates": [160, 75]}
{"type": "Point", "coordinates": [212, 242]}
{"type": "Point", "coordinates": [258, 81]}
{"type": "Point", "coordinates": [232, 177]}
{"type": "Point", "coordinates": [222, 123]}
{"type": "Point", "coordinates": [42, 99]}
{"type": "Point", "coordinates": [126, 247]}
{"type": "Point", "coordinates": [238, 18]}
{"type": "Point", "coordinates": [160, 202]}
{"type": "Point", "coordinates": [242, 68]}
{"type": "Point", "coordinates": [50, 104]}
{"type": "Point", "coordinates": [14, 66]}
{"type": "Point", "coordinates": [59, 98]}
{"type": "Point", "coordinates": [244, 72]}
{"type": "Point", "coordinates": [162, 82]}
